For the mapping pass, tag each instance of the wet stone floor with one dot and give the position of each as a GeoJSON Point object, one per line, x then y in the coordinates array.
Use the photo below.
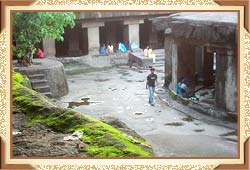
{"type": "Point", "coordinates": [120, 92]}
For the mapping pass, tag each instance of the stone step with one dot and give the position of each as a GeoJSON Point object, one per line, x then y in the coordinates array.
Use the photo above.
{"type": "Point", "coordinates": [38, 83]}
{"type": "Point", "coordinates": [36, 76]}
{"type": "Point", "coordinates": [158, 64]}
{"type": "Point", "coordinates": [42, 89]}
{"type": "Point", "coordinates": [160, 58]}
{"type": "Point", "coordinates": [160, 55]}
{"type": "Point", "coordinates": [48, 94]}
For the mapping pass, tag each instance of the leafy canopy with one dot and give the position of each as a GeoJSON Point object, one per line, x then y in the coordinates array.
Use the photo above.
{"type": "Point", "coordinates": [29, 28]}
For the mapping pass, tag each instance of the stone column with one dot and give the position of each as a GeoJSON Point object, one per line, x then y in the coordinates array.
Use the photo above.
{"type": "Point", "coordinates": [132, 31]}
{"type": "Point", "coordinates": [93, 36]}
{"type": "Point", "coordinates": [174, 58]}
{"type": "Point", "coordinates": [168, 46]}
{"type": "Point", "coordinates": [226, 79]}
{"type": "Point", "coordinates": [93, 40]}
{"type": "Point", "coordinates": [49, 47]}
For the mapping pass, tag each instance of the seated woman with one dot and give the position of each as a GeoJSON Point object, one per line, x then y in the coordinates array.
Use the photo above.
{"type": "Point", "coordinates": [148, 53]}
{"type": "Point", "coordinates": [40, 53]}
{"type": "Point", "coordinates": [122, 47]}
{"type": "Point", "coordinates": [110, 49]}
{"type": "Point", "coordinates": [178, 88]}
{"type": "Point", "coordinates": [184, 90]}
{"type": "Point", "coordinates": [103, 49]}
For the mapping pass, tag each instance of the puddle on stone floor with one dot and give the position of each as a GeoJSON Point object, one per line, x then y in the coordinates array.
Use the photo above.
{"type": "Point", "coordinates": [199, 130]}
{"type": "Point", "coordinates": [174, 124]}
{"type": "Point", "coordinates": [232, 133]}
{"type": "Point", "coordinates": [140, 81]}
{"type": "Point", "coordinates": [129, 81]}
{"type": "Point", "coordinates": [84, 101]}
{"type": "Point", "coordinates": [231, 140]}
{"type": "Point", "coordinates": [138, 113]}
{"type": "Point", "coordinates": [101, 80]}
{"type": "Point", "coordinates": [187, 119]}
{"type": "Point", "coordinates": [139, 94]}
{"type": "Point", "coordinates": [123, 73]}
{"type": "Point", "coordinates": [149, 119]}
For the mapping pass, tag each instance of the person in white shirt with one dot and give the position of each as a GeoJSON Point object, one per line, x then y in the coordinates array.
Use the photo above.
{"type": "Point", "coordinates": [110, 49]}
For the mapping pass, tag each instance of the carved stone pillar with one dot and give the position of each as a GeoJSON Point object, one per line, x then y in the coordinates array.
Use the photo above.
{"type": "Point", "coordinates": [226, 78]}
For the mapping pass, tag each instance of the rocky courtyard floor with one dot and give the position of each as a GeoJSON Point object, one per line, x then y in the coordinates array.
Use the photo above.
{"type": "Point", "coordinates": [119, 92]}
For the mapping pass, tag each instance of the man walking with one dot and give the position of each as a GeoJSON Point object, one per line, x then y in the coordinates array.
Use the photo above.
{"type": "Point", "coordinates": [151, 80]}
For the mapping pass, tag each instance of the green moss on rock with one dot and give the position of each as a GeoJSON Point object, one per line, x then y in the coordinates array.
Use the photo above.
{"type": "Point", "coordinates": [21, 79]}
{"type": "Point", "coordinates": [102, 139]}
{"type": "Point", "coordinates": [172, 95]}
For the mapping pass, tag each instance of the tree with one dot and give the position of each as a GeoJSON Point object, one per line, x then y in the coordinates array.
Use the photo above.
{"type": "Point", "coordinates": [29, 28]}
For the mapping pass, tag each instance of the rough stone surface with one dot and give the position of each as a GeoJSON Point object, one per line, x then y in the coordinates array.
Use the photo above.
{"type": "Point", "coordinates": [216, 31]}
{"type": "Point", "coordinates": [100, 139]}
{"type": "Point", "coordinates": [123, 96]}
{"type": "Point", "coordinates": [140, 59]}
{"type": "Point", "coordinates": [205, 27]}
{"type": "Point", "coordinates": [168, 62]}
{"type": "Point", "coordinates": [226, 82]}
{"type": "Point", "coordinates": [41, 141]}
{"type": "Point", "coordinates": [91, 15]}
{"type": "Point", "coordinates": [53, 71]}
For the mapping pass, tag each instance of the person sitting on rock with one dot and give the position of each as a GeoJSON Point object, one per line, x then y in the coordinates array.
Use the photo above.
{"type": "Point", "coordinates": [178, 87]}
{"type": "Point", "coordinates": [122, 47]}
{"type": "Point", "coordinates": [40, 53]}
{"type": "Point", "coordinates": [110, 49]}
{"type": "Point", "coordinates": [103, 49]}
{"type": "Point", "coordinates": [184, 89]}
{"type": "Point", "coordinates": [148, 53]}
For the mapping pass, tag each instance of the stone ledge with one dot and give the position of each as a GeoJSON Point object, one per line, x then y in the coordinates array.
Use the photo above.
{"type": "Point", "coordinates": [52, 71]}
{"type": "Point", "coordinates": [140, 59]}
{"type": "Point", "coordinates": [204, 109]}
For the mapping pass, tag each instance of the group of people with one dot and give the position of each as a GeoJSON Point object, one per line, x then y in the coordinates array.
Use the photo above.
{"type": "Point", "coordinates": [109, 49]}
{"type": "Point", "coordinates": [106, 50]}
{"type": "Point", "coordinates": [28, 57]}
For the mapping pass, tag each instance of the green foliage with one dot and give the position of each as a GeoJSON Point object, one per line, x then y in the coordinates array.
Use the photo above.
{"type": "Point", "coordinates": [102, 140]}
{"type": "Point", "coordinates": [29, 28]}
{"type": "Point", "coordinates": [19, 78]}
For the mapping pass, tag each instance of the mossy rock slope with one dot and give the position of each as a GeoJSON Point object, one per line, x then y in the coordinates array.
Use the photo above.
{"type": "Point", "coordinates": [102, 139]}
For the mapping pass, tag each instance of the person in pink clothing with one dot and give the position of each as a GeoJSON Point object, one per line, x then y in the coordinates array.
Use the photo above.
{"type": "Point", "coordinates": [40, 53]}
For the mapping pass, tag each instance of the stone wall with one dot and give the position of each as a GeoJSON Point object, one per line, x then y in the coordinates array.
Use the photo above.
{"type": "Point", "coordinates": [174, 67]}
{"type": "Point", "coordinates": [168, 61]}
{"type": "Point", "coordinates": [226, 82]}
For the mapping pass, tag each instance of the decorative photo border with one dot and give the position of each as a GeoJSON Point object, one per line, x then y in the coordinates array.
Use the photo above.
{"type": "Point", "coordinates": [243, 6]}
